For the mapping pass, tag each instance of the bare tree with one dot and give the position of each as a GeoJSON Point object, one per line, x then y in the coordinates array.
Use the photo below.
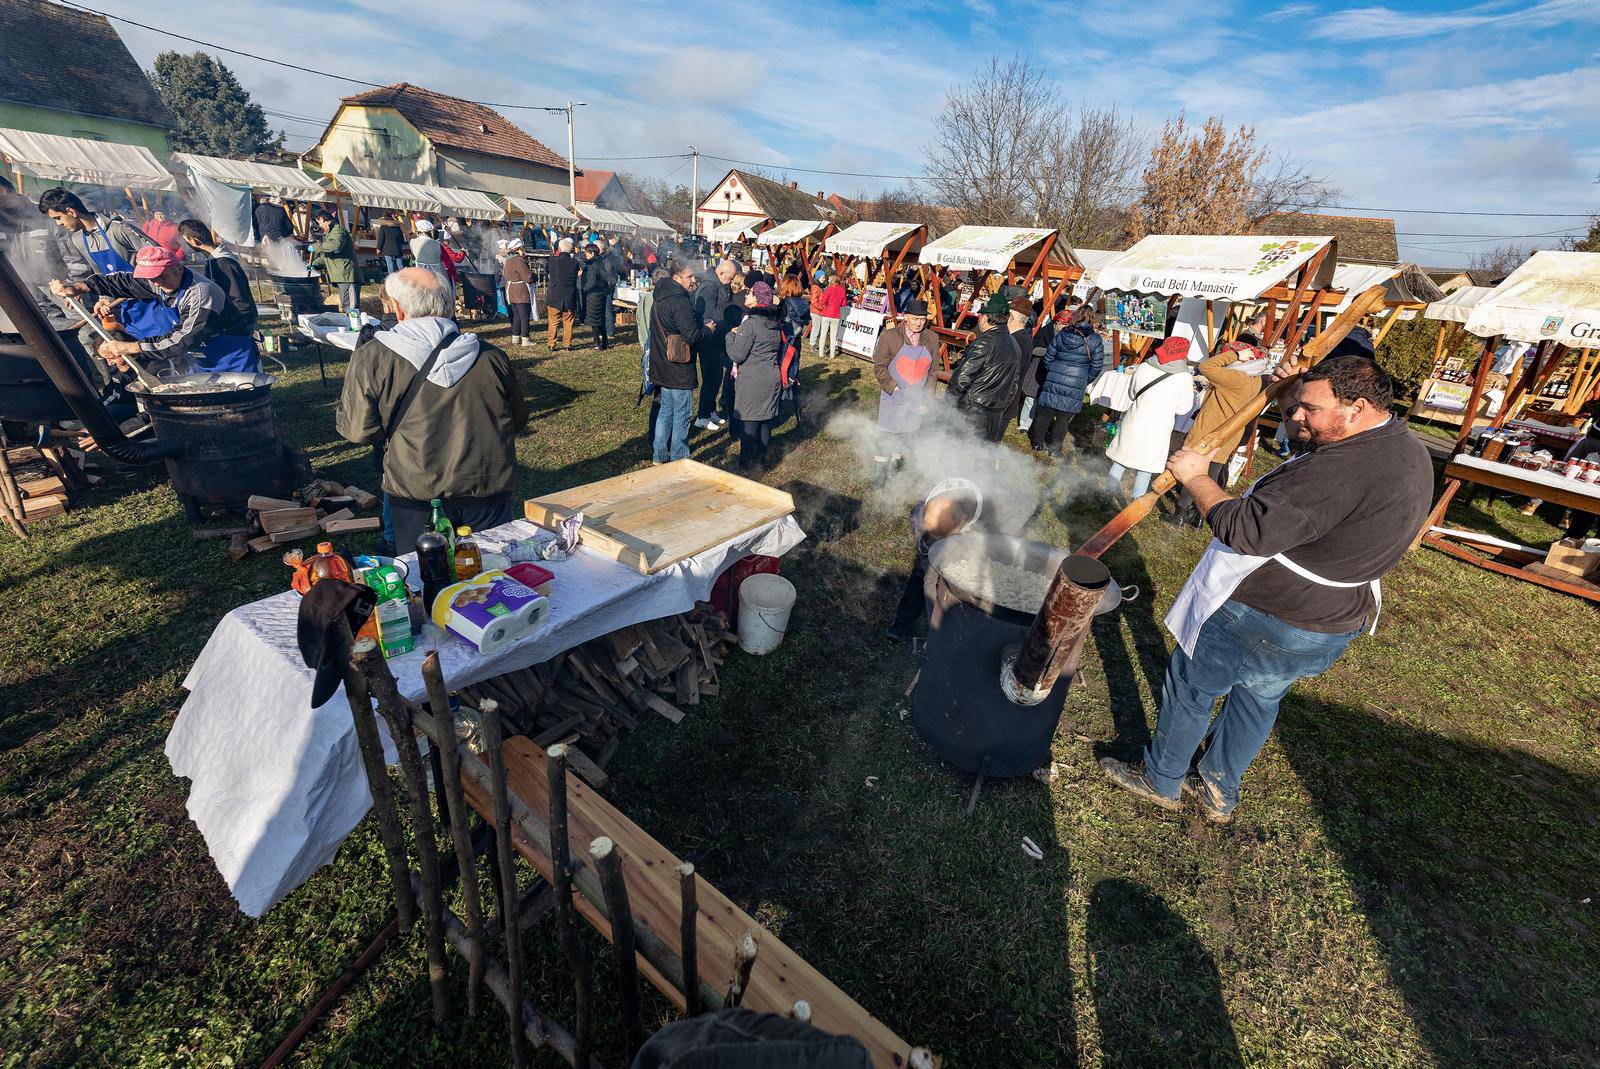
{"type": "Point", "coordinates": [1198, 181]}
{"type": "Point", "coordinates": [1500, 260]}
{"type": "Point", "coordinates": [1083, 173]}
{"type": "Point", "coordinates": [988, 139]}
{"type": "Point", "coordinates": [1284, 184]}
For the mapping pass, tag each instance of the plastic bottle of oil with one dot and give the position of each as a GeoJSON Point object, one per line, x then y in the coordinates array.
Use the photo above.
{"type": "Point", "coordinates": [469, 562]}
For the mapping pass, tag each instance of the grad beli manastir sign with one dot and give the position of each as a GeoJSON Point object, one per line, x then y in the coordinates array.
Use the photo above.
{"type": "Point", "coordinates": [1553, 295]}
{"type": "Point", "coordinates": [1207, 266]}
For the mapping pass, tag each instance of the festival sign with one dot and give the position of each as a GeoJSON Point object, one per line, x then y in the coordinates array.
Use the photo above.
{"type": "Point", "coordinates": [982, 248]}
{"type": "Point", "coordinates": [1207, 266]}
{"type": "Point", "coordinates": [860, 327]}
{"type": "Point", "coordinates": [1134, 313]}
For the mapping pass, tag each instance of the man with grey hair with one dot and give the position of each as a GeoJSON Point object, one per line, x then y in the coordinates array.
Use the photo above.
{"type": "Point", "coordinates": [561, 294]}
{"type": "Point", "coordinates": [443, 408]}
{"type": "Point", "coordinates": [716, 308]}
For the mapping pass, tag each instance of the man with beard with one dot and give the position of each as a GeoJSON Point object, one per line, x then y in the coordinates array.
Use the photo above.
{"type": "Point", "coordinates": [1290, 579]}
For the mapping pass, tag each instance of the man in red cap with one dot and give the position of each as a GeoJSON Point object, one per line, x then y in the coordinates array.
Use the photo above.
{"type": "Point", "coordinates": [210, 334]}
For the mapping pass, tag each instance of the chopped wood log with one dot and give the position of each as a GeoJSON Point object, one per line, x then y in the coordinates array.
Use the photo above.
{"type": "Point", "coordinates": [361, 497]}
{"type": "Point", "coordinates": [41, 487]}
{"type": "Point", "coordinates": [624, 643]}
{"type": "Point", "coordinates": [592, 773]}
{"type": "Point", "coordinates": [203, 534]}
{"type": "Point", "coordinates": [277, 520]}
{"type": "Point", "coordinates": [258, 503]}
{"type": "Point", "coordinates": [261, 544]}
{"type": "Point", "coordinates": [557, 731]}
{"type": "Point", "coordinates": [294, 534]}
{"type": "Point", "coordinates": [35, 508]}
{"type": "Point", "coordinates": [665, 708]}
{"type": "Point", "coordinates": [608, 751]}
{"type": "Point", "coordinates": [335, 517]}
{"type": "Point", "coordinates": [672, 649]}
{"type": "Point", "coordinates": [359, 524]}
{"type": "Point", "coordinates": [688, 681]}
{"type": "Point", "coordinates": [710, 690]}
{"type": "Point", "coordinates": [238, 548]}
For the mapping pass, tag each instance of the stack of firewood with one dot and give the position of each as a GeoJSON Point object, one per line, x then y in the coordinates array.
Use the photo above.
{"type": "Point", "coordinates": [586, 696]}
{"type": "Point", "coordinates": [320, 509]}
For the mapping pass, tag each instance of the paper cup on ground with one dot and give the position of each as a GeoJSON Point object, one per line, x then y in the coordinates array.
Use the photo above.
{"type": "Point", "coordinates": [489, 611]}
{"type": "Point", "coordinates": [765, 602]}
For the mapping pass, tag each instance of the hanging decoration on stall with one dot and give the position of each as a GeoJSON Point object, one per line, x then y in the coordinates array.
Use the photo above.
{"type": "Point", "coordinates": [862, 325]}
{"type": "Point", "coordinates": [1141, 314]}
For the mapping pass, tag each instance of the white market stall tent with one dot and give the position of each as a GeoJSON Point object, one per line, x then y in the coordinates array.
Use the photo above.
{"type": "Point", "coordinates": [624, 222]}
{"type": "Point", "coordinates": [1456, 307]}
{"type": "Point", "coordinates": [871, 240]}
{"type": "Point", "coordinates": [987, 248]}
{"type": "Point", "coordinates": [791, 232]}
{"type": "Point", "coordinates": [1092, 260]}
{"type": "Point", "coordinates": [541, 212]}
{"type": "Point", "coordinates": [1554, 296]}
{"type": "Point", "coordinates": [409, 197]}
{"type": "Point", "coordinates": [735, 230]}
{"type": "Point", "coordinates": [271, 179]}
{"type": "Point", "coordinates": [51, 159]}
{"type": "Point", "coordinates": [793, 241]}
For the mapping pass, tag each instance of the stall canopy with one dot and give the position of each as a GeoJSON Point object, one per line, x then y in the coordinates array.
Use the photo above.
{"type": "Point", "coordinates": [1459, 305]}
{"type": "Point", "coordinates": [56, 158]}
{"type": "Point", "coordinates": [1093, 260]}
{"type": "Point", "coordinates": [408, 197]}
{"type": "Point", "coordinates": [1554, 295]}
{"type": "Point", "coordinates": [790, 232]}
{"type": "Point", "coordinates": [735, 230]}
{"type": "Point", "coordinates": [545, 212]}
{"type": "Point", "coordinates": [989, 248]}
{"type": "Point", "coordinates": [870, 240]}
{"type": "Point", "coordinates": [611, 219]}
{"type": "Point", "coordinates": [274, 179]}
{"type": "Point", "coordinates": [1210, 267]}
{"type": "Point", "coordinates": [1357, 278]}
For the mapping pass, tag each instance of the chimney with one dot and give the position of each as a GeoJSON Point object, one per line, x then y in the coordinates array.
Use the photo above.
{"type": "Point", "coordinates": [794, 185]}
{"type": "Point", "coordinates": [820, 196]}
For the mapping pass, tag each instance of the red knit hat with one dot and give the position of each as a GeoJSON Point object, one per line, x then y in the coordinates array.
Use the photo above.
{"type": "Point", "coordinates": [1172, 349]}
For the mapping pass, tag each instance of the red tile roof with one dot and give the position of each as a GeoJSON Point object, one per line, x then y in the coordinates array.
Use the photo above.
{"type": "Point", "coordinates": [451, 122]}
{"type": "Point", "coordinates": [589, 183]}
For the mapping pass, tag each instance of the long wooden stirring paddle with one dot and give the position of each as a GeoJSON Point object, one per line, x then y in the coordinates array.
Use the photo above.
{"type": "Point", "coordinates": [1312, 352]}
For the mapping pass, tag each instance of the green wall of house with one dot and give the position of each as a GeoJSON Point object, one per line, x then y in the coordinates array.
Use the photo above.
{"type": "Point", "coordinates": [69, 124]}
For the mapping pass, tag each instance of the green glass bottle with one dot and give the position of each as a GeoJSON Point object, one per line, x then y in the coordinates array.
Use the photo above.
{"type": "Point", "coordinates": [441, 523]}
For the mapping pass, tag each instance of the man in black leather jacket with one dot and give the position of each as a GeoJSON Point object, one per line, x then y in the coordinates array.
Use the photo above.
{"type": "Point", "coordinates": [984, 381]}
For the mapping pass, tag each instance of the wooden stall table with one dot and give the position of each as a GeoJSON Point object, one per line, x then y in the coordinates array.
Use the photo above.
{"type": "Point", "coordinates": [1518, 563]}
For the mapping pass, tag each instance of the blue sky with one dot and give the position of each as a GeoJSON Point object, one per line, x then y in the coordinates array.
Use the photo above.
{"type": "Point", "coordinates": [1485, 107]}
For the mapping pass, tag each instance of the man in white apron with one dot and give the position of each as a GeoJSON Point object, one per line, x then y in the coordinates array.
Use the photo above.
{"type": "Point", "coordinates": [1289, 580]}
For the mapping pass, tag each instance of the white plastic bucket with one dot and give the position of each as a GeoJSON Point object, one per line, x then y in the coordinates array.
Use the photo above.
{"type": "Point", "coordinates": [764, 604]}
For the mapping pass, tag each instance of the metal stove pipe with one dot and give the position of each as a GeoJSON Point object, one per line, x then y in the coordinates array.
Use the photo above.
{"type": "Point", "coordinates": [69, 378]}
{"type": "Point", "coordinates": [1055, 639]}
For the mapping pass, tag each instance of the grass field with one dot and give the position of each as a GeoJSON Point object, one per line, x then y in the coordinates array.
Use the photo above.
{"type": "Point", "coordinates": [1411, 881]}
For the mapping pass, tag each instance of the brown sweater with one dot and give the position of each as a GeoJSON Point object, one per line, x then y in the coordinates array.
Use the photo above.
{"type": "Point", "coordinates": [1230, 391]}
{"type": "Point", "coordinates": [518, 275]}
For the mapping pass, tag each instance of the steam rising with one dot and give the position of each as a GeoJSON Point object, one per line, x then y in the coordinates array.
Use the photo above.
{"type": "Point", "coordinates": [285, 258]}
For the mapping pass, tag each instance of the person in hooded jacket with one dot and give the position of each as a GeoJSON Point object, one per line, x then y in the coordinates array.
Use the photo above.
{"type": "Point", "coordinates": [219, 265]}
{"type": "Point", "coordinates": [672, 313]}
{"type": "Point", "coordinates": [984, 381]}
{"type": "Point", "coordinates": [596, 284]}
{"type": "Point", "coordinates": [1163, 390]}
{"type": "Point", "coordinates": [754, 351]}
{"type": "Point", "coordinates": [455, 438]}
{"type": "Point", "coordinates": [1074, 359]}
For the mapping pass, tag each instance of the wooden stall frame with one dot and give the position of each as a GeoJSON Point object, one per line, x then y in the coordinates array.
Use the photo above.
{"type": "Point", "coordinates": [1063, 275]}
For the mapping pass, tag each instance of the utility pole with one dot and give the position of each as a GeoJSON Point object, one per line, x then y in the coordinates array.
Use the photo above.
{"type": "Point", "coordinates": [572, 173]}
{"type": "Point", "coordinates": [694, 193]}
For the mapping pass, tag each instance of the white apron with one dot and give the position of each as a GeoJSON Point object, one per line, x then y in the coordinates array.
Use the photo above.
{"type": "Point", "coordinates": [1218, 575]}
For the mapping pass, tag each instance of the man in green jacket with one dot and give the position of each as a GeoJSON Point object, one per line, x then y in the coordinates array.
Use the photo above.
{"type": "Point", "coordinates": [456, 438]}
{"type": "Point", "coordinates": [335, 253]}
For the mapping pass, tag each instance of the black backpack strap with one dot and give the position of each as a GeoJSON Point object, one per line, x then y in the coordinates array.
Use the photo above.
{"type": "Point", "coordinates": [415, 386]}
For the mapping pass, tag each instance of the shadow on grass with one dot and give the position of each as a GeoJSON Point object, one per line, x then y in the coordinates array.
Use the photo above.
{"type": "Point", "coordinates": [1475, 867]}
{"type": "Point", "coordinates": [1157, 993]}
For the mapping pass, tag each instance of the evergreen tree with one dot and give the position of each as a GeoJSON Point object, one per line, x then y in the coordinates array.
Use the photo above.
{"type": "Point", "coordinates": [216, 116]}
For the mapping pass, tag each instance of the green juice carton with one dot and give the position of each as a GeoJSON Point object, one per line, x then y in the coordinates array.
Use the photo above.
{"type": "Point", "coordinates": [392, 611]}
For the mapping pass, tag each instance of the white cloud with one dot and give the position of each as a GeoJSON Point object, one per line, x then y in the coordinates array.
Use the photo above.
{"type": "Point", "coordinates": [1383, 23]}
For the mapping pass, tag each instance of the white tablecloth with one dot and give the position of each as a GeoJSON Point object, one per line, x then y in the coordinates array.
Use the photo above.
{"type": "Point", "coordinates": [1543, 478]}
{"type": "Point", "coordinates": [277, 785]}
{"type": "Point", "coordinates": [333, 328]}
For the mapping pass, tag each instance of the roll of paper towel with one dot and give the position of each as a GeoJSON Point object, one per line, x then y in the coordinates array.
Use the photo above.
{"type": "Point", "coordinates": [489, 611]}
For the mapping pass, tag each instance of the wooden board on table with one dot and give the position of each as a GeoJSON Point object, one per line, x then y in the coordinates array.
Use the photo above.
{"type": "Point", "coordinates": [652, 519]}
{"type": "Point", "coordinates": [780, 976]}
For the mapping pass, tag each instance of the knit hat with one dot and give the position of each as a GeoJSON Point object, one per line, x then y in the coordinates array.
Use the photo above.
{"type": "Point", "coordinates": [995, 308]}
{"type": "Point", "coordinates": [424, 226]}
{"type": "Point", "coordinates": [762, 294]}
{"type": "Point", "coordinates": [1172, 349]}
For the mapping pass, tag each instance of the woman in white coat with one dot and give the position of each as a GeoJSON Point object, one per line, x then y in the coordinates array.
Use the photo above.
{"type": "Point", "coordinates": [1162, 390]}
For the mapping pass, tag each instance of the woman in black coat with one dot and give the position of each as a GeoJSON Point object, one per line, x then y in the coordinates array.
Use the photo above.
{"type": "Point", "coordinates": [596, 284]}
{"type": "Point", "coordinates": [754, 351]}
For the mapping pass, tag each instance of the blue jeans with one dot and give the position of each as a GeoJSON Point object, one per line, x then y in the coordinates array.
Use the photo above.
{"type": "Point", "coordinates": [391, 264]}
{"type": "Point", "coordinates": [1141, 480]}
{"type": "Point", "coordinates": [672, 425]}
{"type": "Point", "coordinates": [1251, 659]}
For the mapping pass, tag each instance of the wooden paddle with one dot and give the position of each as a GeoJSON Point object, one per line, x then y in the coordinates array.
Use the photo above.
{"type": "Point", "coordinates": [1312, 352]}
{"type": "Point", "coordinates": [149, 380]}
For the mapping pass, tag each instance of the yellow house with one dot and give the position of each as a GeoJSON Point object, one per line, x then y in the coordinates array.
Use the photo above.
{"type": "Point", "coordinates": [67, 72]}
{"type": "Point", "coordinates": [404, 133]}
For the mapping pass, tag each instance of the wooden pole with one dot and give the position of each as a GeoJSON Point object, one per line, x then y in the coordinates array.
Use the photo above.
{"type": "Point", "coordinates": [566, 916]}
{"type": "Point", "coordinates": [447, 746]}
{"type": "Point", "coordinates": [494, 745]}
{"type": "Point", "coordinates": [744, 960]}
{"type": "Point", "coordinates": [1314, 351]}
{"type": "Point", "coordinates": [11, 497]}
{"type": "Point", "coordinates": [1480, 379]}
{"type": "Point", "coordinates": [608, 861]}
{"type": "Point", "coordinates": [1211, 330]}
{"type": "Point", "coordinates": [368, 658]}
{"type": "Point", "coordinates": [688, 938]}
{"type": "Point", "coordinates": [355, 689]}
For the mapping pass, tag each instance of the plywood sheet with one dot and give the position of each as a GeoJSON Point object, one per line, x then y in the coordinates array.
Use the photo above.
{"type": "Point", "coordinates": [652, 519]}
{"type": "Point", "coordinates": [779, 977]}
